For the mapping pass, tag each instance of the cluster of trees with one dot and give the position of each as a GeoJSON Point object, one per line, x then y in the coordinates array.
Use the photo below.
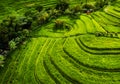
{"type": "Point", "coordinates": [43, 15]}
{"type": "Point", "coordinates": [61, 25]}
{"type": "Point", "coordinates": [101, 3]}
{"type": "Point", "coordinates": [14, 30]}
{"type": "Point", "coordinates": [106, 34]}
{"type": "Point", "coordinates": [85, 6]}
{"type": "Point", "coordinates": [12, 27]}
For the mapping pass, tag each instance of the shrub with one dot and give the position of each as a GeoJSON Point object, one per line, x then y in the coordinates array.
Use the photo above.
{"type": "Point", "coordinates": [100, 4]}
{"type": "Point", "coordinates": [43, 19]}
{"type": "Point", "coordinates": [105, 34]}
{"type": "Point", "coordinates": [108, 34]}
{"type": "Point", "coordinates": [31, 13]}
{"type": "Point", "coordinates": [98, 34]}
{"type": "Point", "coordinates": [39, 8]}
{"type": "Point", "coordinates": [25, 32]}
{"type": "Point", "coordinates": [56, 13]}
{"type": "Point", "coordinates": [59, 24]}
{"type": "Point", "coordinates": [68, 11]}
{"type": "Point", "coordinates": [28, 13]}
{"type": "Point", "coordinates": [76, 9]}
{"type": "Point", "coordinates": [46, 15]}
{"type": "Point", "coordinates": [116, 35]}
{"type": "Point", "coordinates": [24, 23]}
{"type": "Point", "coordinates": [87, 8]}
{"type": "Point", "coordinates": [17, 40]}
{"type": "Point", "coordinates": [27, 23]}
{"type": "Point", "coordinates": [111, 35]}
{"type": "Point", "coordinates": [12, 45]}
{"type": "Point", "coordinates": [67, 27]}
{"type": "Point", "coordinates": [2, 58]}
{"type": "Point", "coordinates": [9, 21]}
{"type": "Point", "coordinates": [62, 5]}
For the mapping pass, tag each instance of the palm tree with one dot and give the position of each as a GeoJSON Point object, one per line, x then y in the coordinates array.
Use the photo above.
{"type": "Point", "coordinates": [2, 60]}
{"type": "Point", "coordinates": [12, 45]}
{"type": "Point", "coordinates": [59, 24]}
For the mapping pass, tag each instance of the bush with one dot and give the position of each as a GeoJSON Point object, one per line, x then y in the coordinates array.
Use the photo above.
{"type": "Point", "coordinates": [55, 13]}
{"type": "Point", "coordinates": [2, 58]}
{"type": "Point", "coordinates": [111, 35]}
{"type": "Point", "coordinates": [76, 9]}
{"type": "Point", "coordinates": [12, 45]}
{"type": "Point", "coordinates": [31, 13]}
{"type": "Point", "coordinates": [17, 40]}
{"type": "Point", "coordinates": [59, 24]}
{"type": "Point", "coordinates": [67, 27]}
{"type": "Point", "coordinates": [24, 23]}
{"type": "Point", "coordinates": [104, 34]}
{"type": "Point", "coordinates": [68, 11]}
{"type": "Point", "coordinates": [88, 8]}
{"type": "Point", "coordinates": [39, 8]}
{"type": "Point", "coordinates": [97, 34]}
{"type": "Point", "coordinates": [100, 4]}
{"type": "Point", "coordinates": [28, 13]}
{"type": "Point", "coordinates": [116, 35]}
{"type": "Point", "coordinates": [62, 5]}
{"type": "Point", "coordinates": [27, 23]}
{"type": "Point", "coordinates": [43, 19]}
{"type": "Point", "coordinates": [25, 32]}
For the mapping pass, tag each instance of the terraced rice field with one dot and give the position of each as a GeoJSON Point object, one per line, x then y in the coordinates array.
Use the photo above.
{"type": "Point", "coordinates": [74, 57]}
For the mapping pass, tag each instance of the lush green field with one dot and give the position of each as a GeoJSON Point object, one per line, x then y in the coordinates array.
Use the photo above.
{"type": "Point", "coordinates": [68, 57]}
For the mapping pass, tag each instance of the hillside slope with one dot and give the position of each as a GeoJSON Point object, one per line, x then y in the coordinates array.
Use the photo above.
{"type": "Point", "coordinates": [77, 56]}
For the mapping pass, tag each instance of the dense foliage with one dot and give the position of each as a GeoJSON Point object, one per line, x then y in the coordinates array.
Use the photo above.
{"type": "Point", "coordinates": [61, 42]}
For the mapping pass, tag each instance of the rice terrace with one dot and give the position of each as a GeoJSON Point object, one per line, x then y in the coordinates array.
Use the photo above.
{"type": "Point", "coordinates": [59, 41]}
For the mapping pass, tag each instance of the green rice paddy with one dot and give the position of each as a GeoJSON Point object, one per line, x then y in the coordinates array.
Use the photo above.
{"type": "Point", "coordinates": [68, 57]}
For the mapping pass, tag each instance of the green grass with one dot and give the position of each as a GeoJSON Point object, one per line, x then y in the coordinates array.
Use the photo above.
{"type": "Point", "coordinates": [90, 61]}
{"type": "Point", "coordinates": [100, 42]}
{"type": "Point", "coordinates": [88, 23]}
{"type": "Point", "coordinates": [65, 57]}
{"type": "Point", "coordinates": [110, 18]}
{"type": "Point", "coordinates": [93, 60]}
{"type": "Point", "coordinates": [106, 23]}
{"type": "Point", "coordinates": [78, 28]}
{"type": "Point", "coordinates": [110, 10]}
